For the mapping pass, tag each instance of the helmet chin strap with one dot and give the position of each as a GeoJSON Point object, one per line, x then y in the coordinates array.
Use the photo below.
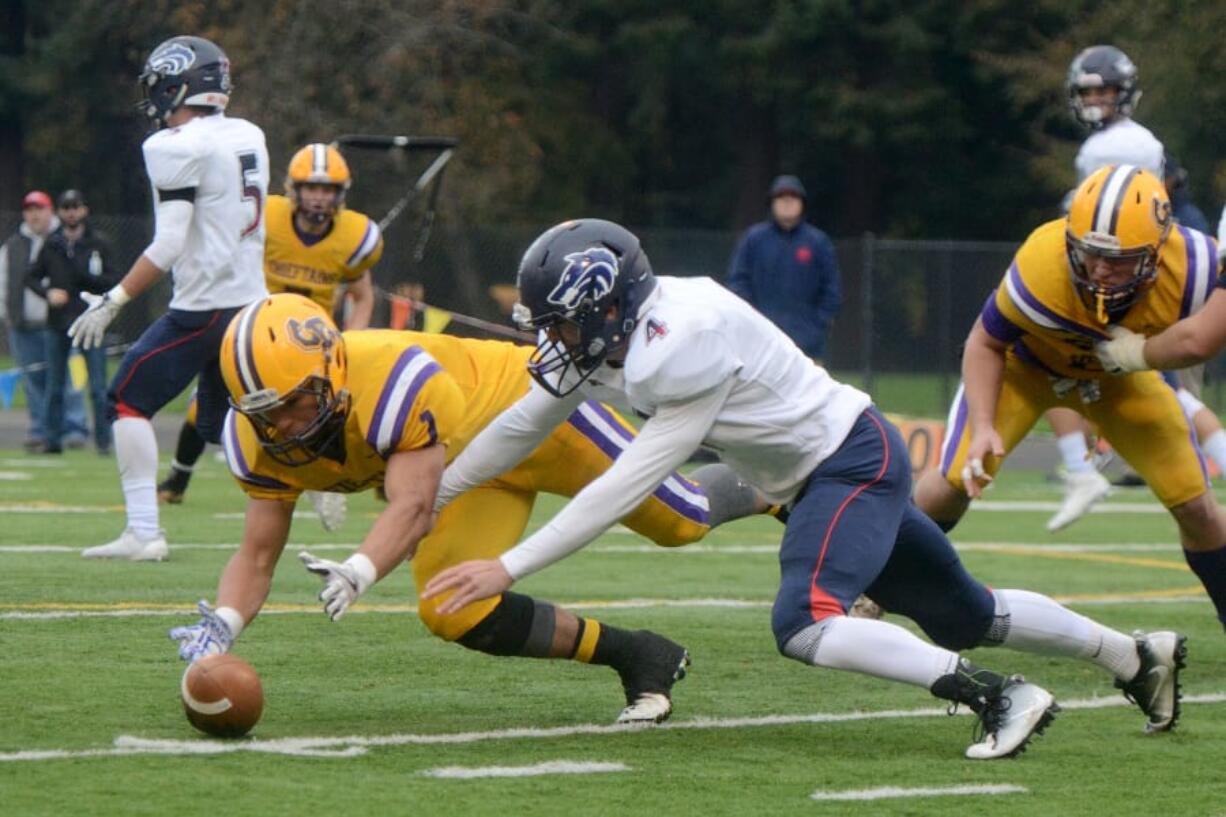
{"type": "Point", "coordinates": [1101, 308]}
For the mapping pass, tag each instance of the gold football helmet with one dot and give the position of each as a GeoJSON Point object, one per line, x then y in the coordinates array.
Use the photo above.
{"type": "Point", "coordinates": [318, 164]}
{"type": "Point", "coordinates": [1120, 214]}
{"type": "Point", "coordinates": [276, 350]}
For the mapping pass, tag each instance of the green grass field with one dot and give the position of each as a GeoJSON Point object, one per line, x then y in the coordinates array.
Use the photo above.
{"type": "Point", "coordinates": [359, 713]}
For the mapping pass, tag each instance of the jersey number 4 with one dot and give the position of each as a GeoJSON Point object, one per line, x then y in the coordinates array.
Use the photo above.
{"type": "Point", "coordinates": [249, 171]}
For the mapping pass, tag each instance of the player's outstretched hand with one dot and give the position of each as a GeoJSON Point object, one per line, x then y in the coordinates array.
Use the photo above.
{"type": "Point", "coordinates": [343, 583]}
{"type": "Point", "coordinates": [88, 330]}
{"type": "Point", "coordinates": [1124, 353]}
{"type": "Point", "coordinates": [209, 636]}
{"type": "Point", "coordinates": [974, 476]}
{"type": "Point", "coordinates": [471, 581]}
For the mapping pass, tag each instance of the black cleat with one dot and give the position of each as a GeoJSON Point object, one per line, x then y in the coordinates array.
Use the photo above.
{"type": "Point", "coordinates": [648, 680]}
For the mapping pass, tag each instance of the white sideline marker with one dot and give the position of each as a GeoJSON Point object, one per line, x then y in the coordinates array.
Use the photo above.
{"type": "Point", "coordinates": [890, 792]}
{"type": "Point", "coordinates": [535, 770]}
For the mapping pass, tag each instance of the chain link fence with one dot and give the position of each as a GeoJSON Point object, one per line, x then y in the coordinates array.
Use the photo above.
{"type": "Point", "coordinates": [907, 305]}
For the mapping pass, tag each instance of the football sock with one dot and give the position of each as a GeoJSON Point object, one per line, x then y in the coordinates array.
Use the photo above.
{"type": "Point", "coordinates": [608, 646]}
{"type": "Point", "coordinates": [730, 496]}
{"type": "Point", "coordinates": [187, 451]}
{"type": "Point", "coordinates": [136, 450]}
{"type": "Point", "coordinates": [873, 647]}
{"type": "Point", "coordinates": [1074, 452]}
{"type": "Point", "coordinates": [1210, 567]}
{"type": "Point", "coordinates": [1031, 622]}
{"type": "Point", "coordinates": [1215, 447]}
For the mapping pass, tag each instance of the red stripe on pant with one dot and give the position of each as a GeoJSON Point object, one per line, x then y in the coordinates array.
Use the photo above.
{"type": "Point", "coordinates": [176, 342]}
{"type": "Point", "coordinates": [822, 605]}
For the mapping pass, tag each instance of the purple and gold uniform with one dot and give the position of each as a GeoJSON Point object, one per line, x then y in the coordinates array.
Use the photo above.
{"type": "Point", "coordinates": [1051, 331]}
{"type": "Point", "coordinates": [317, 269]}
{"type": "Point", "coordinates": [409, 390]}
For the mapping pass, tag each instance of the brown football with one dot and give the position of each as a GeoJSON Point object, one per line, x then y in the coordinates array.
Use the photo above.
{"type": "Point", "coordinates": [222, 696]}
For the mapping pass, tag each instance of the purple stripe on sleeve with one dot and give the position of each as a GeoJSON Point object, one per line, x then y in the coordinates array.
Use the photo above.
{"type": "Point", "coordinates": [1034, 303]}
{"type": "Point", "coordinates": [370, 225]}
{"type": "Point", "coordinates": [673, 499]}
{"type": "Point", "coordinates": [956, 434]}
{"type": "Point", "coordinates": [389, 386]}
{"type": "Point", "coordinates": [1189, 284]}
{"type": "Point", "coordinates": [996, 324]}
{"type": "Point", "coordinates": [428, 371]}
{"type": "Point", "coordinates": [246, 474]}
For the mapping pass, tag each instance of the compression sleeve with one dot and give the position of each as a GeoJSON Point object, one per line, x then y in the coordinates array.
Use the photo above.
{"type": "Point", "coordinates": [665, 442]}
{"type": "Point", "coordinates": [172, 218]}
{"type": "Point", "coordinates": [505, 442]}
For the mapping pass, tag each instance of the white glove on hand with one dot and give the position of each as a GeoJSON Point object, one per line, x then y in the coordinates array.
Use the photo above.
{"type": "Point", "coordinates": [343, 581]}
{"type": "Point", "coordinates": [209, 636]}
{"type": "Point", "coordinates": [88, 330]}
{"type": "Point", "coordinates": [1124, 353]}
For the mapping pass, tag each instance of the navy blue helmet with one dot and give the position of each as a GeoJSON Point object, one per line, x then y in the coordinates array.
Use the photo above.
{"type": "Point", "coordinates": [582, 283]}
{"type": "Point", "coordinates": [1102, 66]}
{"type": "Point", "coordinates": [184, 71]}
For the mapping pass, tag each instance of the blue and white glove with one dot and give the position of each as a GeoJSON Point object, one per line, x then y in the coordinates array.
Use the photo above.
{"type": "Point", "coordinates": [88, 330]}
{"type": "Point", "coordinates": [209, 636]}
{"type": "Point", "coordinates": [343, 581]}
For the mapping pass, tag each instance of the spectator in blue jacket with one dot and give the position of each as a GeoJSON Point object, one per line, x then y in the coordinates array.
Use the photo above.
{"type": "Point", "coordinates": [787, 269]}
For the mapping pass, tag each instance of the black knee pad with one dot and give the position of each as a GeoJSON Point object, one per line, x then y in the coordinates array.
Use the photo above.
{"type": "Point", "coordinates": [519, 625]}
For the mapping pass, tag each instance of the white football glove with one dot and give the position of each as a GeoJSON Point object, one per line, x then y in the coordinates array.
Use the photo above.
{"type": "Point", "coordinates": [88, 330]}
{"type": "Point", "coordinates": [343, 581]}
{"type": "Point", "coordinates": [209, 636]}
{"type": "Point", "coordinates": [1124, 353]}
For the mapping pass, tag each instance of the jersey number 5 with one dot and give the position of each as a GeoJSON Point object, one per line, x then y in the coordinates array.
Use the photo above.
{"type": "Point", "coordinates": [249, 171]}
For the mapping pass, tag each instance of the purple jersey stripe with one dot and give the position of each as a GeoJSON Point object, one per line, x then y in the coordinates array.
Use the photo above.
{"type": "Point", "coordinates": [370, 225]}
{"type": "Point", "coordinates": [612, 448]}
{"type": "Point", "coordinates": [245, 473]}
{"type": "Point", "coordinates": [1026, 356]}
{"type": "Point", "coordinates": [1015, 276]}
{"type": "Point", "coordinates": [428, 371]}
{"type": "Point", "coordinates": [389, 386]}
{"type": "Point", "coordinates": [952, 447]}
{"type": "Point", "coordinates": [1189, 284]}
{"type": "Point", "coordinates": [996, 324]}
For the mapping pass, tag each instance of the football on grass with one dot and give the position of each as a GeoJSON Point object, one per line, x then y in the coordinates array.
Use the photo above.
{"type": "Point", "coordinates": [222, 696]}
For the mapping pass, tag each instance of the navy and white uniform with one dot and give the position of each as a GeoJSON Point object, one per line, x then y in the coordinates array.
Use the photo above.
{"type": "Point", "coordinates": [1123, 142]}
{"type": "Point", "coordinates": [219, 165]}
{"type": "Point", "coordinates": [705, 368]}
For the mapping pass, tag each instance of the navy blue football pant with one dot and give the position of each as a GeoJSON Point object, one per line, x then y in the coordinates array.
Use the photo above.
{"type": "Point", "coordinates": [175, 349]}
{"type": "Point", "coordinates": [853, 530]}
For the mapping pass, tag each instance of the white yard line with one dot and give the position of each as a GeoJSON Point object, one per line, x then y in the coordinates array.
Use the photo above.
{"type": "Point", "coordinates": [891, 792]}
{"type": "Point", "coordinates": [352, 745]}
{"type": "Point", "coordinates": [1047, 506]}
{"type": "Point", "coordinates": [535, 770]}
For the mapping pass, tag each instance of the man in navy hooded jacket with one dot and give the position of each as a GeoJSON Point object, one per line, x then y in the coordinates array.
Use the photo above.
{"type": "Point", "coordinates": [787, 269]}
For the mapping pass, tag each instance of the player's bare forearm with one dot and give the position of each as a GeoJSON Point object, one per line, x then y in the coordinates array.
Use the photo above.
{"type": "Point", "coordinates": [362, 293]}
{"type": "Point", "coordinates": [143, 274]}
{"type": "Point", "coordinates": [983, 371]}
{"type": "Point", "coordinates": [410, 484]}
{"type": "Point", "coordinates": [1192, 340]}
{"type": "Point", "coordinates": [247, 577]}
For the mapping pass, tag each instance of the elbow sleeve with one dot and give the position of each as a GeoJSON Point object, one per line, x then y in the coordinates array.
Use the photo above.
{"type": "Point", "coordinates": [173, 217]}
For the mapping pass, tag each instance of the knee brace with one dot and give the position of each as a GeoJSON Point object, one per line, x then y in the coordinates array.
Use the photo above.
{"type": "Point", "coordinates": [519, 625]}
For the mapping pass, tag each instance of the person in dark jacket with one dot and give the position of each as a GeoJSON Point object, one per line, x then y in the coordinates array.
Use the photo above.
{"type": "Point", "coordinates": [76, 259]}
{"type": "Point", "coordinates": [1182, 207]}
{"type": "Point", "coordinates": [787, 269]}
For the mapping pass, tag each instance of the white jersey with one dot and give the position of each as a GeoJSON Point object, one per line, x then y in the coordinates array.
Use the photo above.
{"type": "Point", "coordinates": [225, 161]}
{"type": "Point", "coordinates": [704, 367]}
{"type": "Point", "coordinates": [1123, 142]}
{"type": "Point", "coordinates": [1221, 235]}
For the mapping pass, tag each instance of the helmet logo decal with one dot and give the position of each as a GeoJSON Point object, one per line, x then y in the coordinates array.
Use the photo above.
{"type": "Point", "coordinates": [172, 59]}
{"type": "Point", "coordinates": [1162, 212]}
{"type": "Point", "coordinates": [589, 275]}
{"type": "Point", "coordinates": [311, 334]}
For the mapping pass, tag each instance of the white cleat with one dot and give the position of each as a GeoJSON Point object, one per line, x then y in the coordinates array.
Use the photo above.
{"type": "Point", "coordinates": [650, 707]}
{"type": "Point", "coordinates": [1155, 689]}
{"type": "Point", "coordinates": [131, 547]}
{"type": "Point", "coordinates": [1081, 490]}
{"type": "Point", "coordinates": [1011, 718]}
{"type": "Point", "coordinates": [329, 507]}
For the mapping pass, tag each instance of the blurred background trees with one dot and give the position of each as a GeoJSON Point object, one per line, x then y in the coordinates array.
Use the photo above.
{"type": "Point", "coordinates": [924, 118]}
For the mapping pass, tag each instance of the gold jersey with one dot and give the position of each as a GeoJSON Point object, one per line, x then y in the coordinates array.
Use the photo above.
{"type": "Point", "coordinates": [1038, 311]}
{"type": "Point", "coordinates": [353, 245]}
{"type": "Point", "coordinates": [408, 390]}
